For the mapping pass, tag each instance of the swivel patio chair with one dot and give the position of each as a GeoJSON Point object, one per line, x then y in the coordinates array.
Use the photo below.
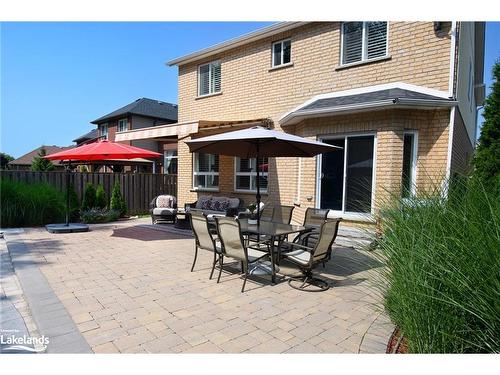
{"type": "Point", "coordinates": [204, 239]}
{"type": "Point", "coordinates": [306, 258]}
{"type": "Point", "coordinates": [313, 219]}
{"type": "Point", "coordinates": [233, 246]}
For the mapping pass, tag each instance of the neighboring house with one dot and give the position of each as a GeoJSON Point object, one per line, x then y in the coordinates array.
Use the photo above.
{"type": "Point", "coordinates": [401, 98]}
{"type": "Point", "coordinates": [24, 162]}
{"type": "Point", "coordinates": [142, 113]}
{"type": "Point", "coordinates": [89, 137]}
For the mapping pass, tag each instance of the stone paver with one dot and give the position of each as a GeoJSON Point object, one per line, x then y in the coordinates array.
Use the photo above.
{"type": "Point", "coordinates": [128, 288]}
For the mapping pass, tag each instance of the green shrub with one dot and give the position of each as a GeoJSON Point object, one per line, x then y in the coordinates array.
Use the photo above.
{"type": "Point", "coordinates": [24, 204]}
{"type": "Point", "coordinates": [100, 197]}
{"type": "Point", "coordinates": [117, 202]}
{"type": "Point", "coordinates": [443, 262]}
{"type": "Point", "coordinates": [99, 215]}
{"type": "Point", "coordinates": [89, 197]}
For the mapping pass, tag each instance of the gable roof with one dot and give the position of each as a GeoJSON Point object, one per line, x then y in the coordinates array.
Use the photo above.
{"type": "Point", "coordinates": [235, 42]}
{"type": "Point", "coordinates": [395, 94]}
{"type": "Point", "coordinates": [87, 136]}
{"type": "Point", "coordinates": [144, 107]}
{"type": "Point", "coordinates": [27, 159]}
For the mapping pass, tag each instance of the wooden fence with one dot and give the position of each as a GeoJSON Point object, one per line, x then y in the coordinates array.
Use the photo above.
{"type": "Point", "coordinates": [138, 189]}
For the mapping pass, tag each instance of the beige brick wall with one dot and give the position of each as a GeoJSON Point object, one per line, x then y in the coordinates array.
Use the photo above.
{"type": "Point", "coordinates": [251, 90]}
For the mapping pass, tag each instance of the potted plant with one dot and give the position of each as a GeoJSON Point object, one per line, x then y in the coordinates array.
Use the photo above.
{"type": "Point", "coordinates": [252, 219]}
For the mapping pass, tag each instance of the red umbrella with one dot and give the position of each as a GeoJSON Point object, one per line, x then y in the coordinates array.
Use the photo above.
{"type": "Point", "coordinates": [103, 150]}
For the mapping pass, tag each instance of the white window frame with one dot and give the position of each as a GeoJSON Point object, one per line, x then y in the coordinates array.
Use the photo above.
{"type": "Point", "coordinates": [282, 54]}
{"type": "Point", "coordinates": [413, 182]}
{"type": "Point", "coordinates": [120, 121]}
{"type": "Point", "coordinates": [165, 157]}
{"type": "Point", "coordinates": [209, 78]}
{"type": "Point", "coordinates": [236, 174]}
{"type": "Point", "coordinates": [343, 213]}
{"type": "Point", "coordinates": [206, 174]}
{"type": "Point", "coordinates": [104, 135]}
{"type": "Point", "coordinates": [364, 46]}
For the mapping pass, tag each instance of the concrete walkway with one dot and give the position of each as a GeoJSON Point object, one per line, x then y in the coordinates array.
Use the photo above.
{"type": "Point", "coordinates": [127, 288]}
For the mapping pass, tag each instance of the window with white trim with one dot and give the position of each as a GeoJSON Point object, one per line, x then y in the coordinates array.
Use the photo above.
{"type": "Point", "coordinates": [122, 125]}
{"type": "Point", "coordinates": [170, 158]}
{"type": "Point", "coordinates": [104, 130]}
{"type": "Point", "coordinates": [206, 171]}
{"type": "Point", "coordinates": [282, 53]}
{"type": "Point", "coordinates": [363, 41]}
{"type": "Point", "coordinates": [209, 78]}
{"type": "Point", "coordinates": [246, 174]}
{"type": "Point", "coordinates": [408, 177]}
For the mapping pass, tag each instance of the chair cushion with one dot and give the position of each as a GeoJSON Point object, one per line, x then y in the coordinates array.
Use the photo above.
{"type": "Point", "coordinates": [202, 201]}
{"type": "Point", "coordinates": [164, 211]}
{"type": "Point", "coordinates": [165, 201]}
{"type": "Point", "coordinates": [219, 204]}
{"type": "Point", "coordinates": [234, 202]}
{"type": "Point", "coordinates": [299, 256]}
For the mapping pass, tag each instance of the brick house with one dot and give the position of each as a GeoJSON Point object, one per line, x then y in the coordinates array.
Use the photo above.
{"type": "Point", "coordinates": [401, 99]}
{"type": "Point", "coordinates": [140, 114]}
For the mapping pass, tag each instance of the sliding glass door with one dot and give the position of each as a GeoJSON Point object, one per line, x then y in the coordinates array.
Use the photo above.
{"type": "Point", "coordinates": [347, 175]}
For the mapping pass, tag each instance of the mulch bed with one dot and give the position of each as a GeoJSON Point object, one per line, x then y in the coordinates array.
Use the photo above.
{"type": "Point", "coordinates": [397, 344]}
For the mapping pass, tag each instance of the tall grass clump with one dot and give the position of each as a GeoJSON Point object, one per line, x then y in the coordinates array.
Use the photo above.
{"type": "Point", "coordinates": [443, 269]}
{"type": "Point", "coordinates": [29, 204]}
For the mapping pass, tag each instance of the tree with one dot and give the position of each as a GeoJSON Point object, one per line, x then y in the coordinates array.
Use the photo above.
{"type": "Point", "coordinates": [4, 159]}
{"type": "Point", "coordinates": [487, 156]}
{"type": "Point", "coordinates": [100, 197]}
{"type": "Point", "coordinates": [89, 197]}
{"type": "Point", "coordinates": [117, 202]}
{"type": "Point", "coordinates": [40, 164]}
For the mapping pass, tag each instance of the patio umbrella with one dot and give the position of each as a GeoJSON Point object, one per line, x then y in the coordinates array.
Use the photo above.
{"type": "Point", "coordinates": [101, 150]}
{"type": "Point", "coordinates": [257, 142]}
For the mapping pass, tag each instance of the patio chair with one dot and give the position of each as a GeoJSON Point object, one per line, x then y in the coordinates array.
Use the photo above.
{"type": "Point", "coordinates": [313, 219]}
{"type": "Point", "coordinates": [282, 214]}
{"type": "Point", "coordinates": [163, 208]}
{"type": "Point", "coordinates": [204, 238]}
{"type": "Point", "coordinates": [233, 246]}
{"type": "Point", "coordinates": [306, 258]}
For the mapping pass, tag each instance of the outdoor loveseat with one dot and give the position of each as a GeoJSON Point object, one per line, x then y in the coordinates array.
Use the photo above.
{"type": "Point", "coordinates": [222, 206]}
{"type": "Point", "coordinates": [163, 208]}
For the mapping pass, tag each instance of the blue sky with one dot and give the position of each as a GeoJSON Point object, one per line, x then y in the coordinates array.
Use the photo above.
{"type": "Point", "coordinates": [57, 77]}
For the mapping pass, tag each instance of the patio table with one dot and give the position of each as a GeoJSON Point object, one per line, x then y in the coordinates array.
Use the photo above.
{"type": "Point", "coordinates": [274, 231]}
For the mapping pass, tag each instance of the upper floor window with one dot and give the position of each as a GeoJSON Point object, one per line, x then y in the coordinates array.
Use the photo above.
{"type": "Point", "coordinates": [246, 174]}
{"type": "Point", "coordinates": [206, 171]}
{"type": "Point", "coordinates": [363, 41]}
{"type": "Point", "coordinates": [122, 125]}
{"type": "Point", "coordinates": [104, 130]}
{"type": "Point", "coordinates": [209, 78]}
{"type": "Point", "coordinates": [282, 53]}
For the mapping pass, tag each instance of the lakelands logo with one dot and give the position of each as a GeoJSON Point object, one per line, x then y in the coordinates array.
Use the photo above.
{"type": "Point", "coordinates": [15, 343]}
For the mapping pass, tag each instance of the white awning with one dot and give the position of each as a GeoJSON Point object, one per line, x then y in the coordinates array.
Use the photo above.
{"type": "Point", "coordinates": [169, 130]}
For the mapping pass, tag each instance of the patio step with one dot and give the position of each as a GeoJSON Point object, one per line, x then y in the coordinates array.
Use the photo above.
{"type": "Point", "coordinates": [360, 239]}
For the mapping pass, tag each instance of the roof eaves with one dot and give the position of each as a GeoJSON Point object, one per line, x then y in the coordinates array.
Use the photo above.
{"type": "Point", "coordinates": [296, 116]}
{"type": "Point", "coordinates": [235, 42]}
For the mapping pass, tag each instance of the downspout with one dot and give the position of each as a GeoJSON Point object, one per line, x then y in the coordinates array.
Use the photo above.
{"type": "Point", "coordinates": [451, 93]}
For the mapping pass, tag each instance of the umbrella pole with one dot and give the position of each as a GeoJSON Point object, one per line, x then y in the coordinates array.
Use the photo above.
{"type": "Point", "coordinates": [67, 193]}
{"type": "Point", "coordinates": [258, 192]}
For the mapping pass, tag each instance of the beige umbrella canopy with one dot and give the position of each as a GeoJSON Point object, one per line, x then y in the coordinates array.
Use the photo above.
{"type": "Point", "coordinates": [257, 142]}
